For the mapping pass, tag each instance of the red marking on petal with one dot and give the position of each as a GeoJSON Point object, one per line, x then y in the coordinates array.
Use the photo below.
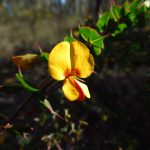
{"type": "Point", "coordinates": [75, 72]}
{"type": "Point", "coordinates": [81, 93]}
{"type": "Point", "coordinates": [67, 73]}
{"type": "Point", "coordinates": [72, 72]}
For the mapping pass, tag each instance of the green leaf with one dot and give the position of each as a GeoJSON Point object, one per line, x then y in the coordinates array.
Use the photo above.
{"type": "Point", "coordinates": [127, 7]}
{"type": "Point", "coordinates": [85, 33]}
{"type": "Point", "coordinates": [99, 43]}
{"type": "Point", "coordinates": [92, 36]}
{"type": "Point", "coordinates": [25, 84]}
{"type": "Point", "coordinates": [116, 12]}
{"type": "Point", "coordinates": [45, 56]}
{"type": "Point", "coordinates": [132, 17]}
{"type": "Point", "coordinates": [69, 38]}
{"type": "Point", "coordinates": [103, 20]}
{"type": "Point", "coordinates": [131, 6]}
{"type": "Point", "coordinates": [120, 28]}
{"type": "Point", "coordinates": [97, 50]}
{"type": "Point", "coordinates": [134, 5]}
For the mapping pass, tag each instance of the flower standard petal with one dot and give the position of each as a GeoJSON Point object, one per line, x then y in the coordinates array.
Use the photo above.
{"type": "Point", "coordinates": [70, 90]}
{"type": "Point", "coordinates": [81, 60]}
{"type": "Point", "coordinates": [59, 61]}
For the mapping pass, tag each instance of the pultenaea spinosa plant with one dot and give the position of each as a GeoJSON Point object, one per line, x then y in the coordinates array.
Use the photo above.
{"type": "Point", "coordinates": [71, 61]}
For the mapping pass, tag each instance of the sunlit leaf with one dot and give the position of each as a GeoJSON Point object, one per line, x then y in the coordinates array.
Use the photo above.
{"type": "Point", "coordinates": [85, 33]}
{"type": "Point", "coordinates": [120, 28]}
{"type": "Point", "coordinates": [130, 6]}
{"type": "Point", "coordinates": [92, 36]}
{"type": "Point", "coordinates": [97, 50]}
{"type": "Point", "coordinates": [132, 17]}
{"type": "Point", "coordinates": [25, 84]}
{"type": "Point", "coordinates": [25, 61]}
{"type": "Point", "coordinates": [134, 5]}
{"type": "Point", "coordinates": [103, 20]}
{"type": "Point", "coordinates": [127, 7]}
{"type": "Point", "coordinates": [115, 12]}
{"type": "Point", "coordinates": [99, 43]}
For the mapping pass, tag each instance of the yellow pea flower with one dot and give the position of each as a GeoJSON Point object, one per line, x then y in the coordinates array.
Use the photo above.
{"type": "Point", "coordinates": [70, 62]}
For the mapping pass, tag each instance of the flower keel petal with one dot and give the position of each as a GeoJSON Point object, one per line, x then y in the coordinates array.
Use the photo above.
{"type": "Point", "coordinates": [70, 90]}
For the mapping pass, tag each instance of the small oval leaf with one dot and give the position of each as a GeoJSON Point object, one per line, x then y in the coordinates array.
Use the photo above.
{"type": "Point", "coordinates": [97, 50]}
{"type": "Point", "coordinates": [92, 36]}
{"type": "Point", "coordinates": [25, 61]}
{"type": "Point", "coordinates": [25, 84]}
{"type": "Point", "coordinates": [103, 20]}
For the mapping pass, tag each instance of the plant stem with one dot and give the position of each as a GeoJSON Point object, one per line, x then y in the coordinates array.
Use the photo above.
{"type": "Point", "coordinates": [14, 115]}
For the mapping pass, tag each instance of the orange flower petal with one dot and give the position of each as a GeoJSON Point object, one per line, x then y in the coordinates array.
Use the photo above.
{"type": "Point", "coordinates": [82, 61]}
{"type": "Point", "coordinates": [59, 61]}
{"type": "Point", "coordinates": [70, 90]}
{"type": "Point", "coordinates": [74, 89]}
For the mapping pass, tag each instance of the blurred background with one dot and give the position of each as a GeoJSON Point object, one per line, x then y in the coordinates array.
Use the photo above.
{"type": "Point", "coordinates": [24, 23]}
{"type": "Point", "coordinates": [116, 118]}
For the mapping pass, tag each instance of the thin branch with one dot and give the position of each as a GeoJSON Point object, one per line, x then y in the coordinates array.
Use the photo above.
{"type": "Point", "coordinates": [11, 118]}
